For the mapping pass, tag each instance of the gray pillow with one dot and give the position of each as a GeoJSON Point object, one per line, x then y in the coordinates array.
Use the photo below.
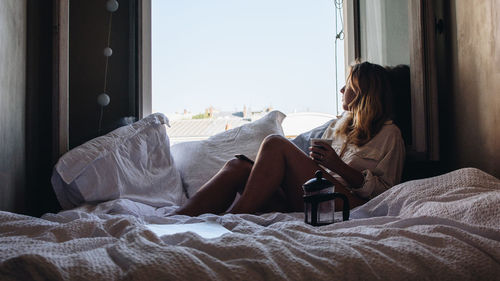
{"type": "Point", "coordinates": [302, 140]}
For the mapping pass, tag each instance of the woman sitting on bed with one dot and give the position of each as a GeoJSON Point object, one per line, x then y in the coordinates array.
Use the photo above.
{"type": "Point", "coordinates": [365, 159]}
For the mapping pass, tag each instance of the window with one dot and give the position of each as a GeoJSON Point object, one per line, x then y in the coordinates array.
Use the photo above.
{"type": "Point", "coordinates": [421, 33]}
{"type": "Point", "coordinates": [222, 63]}
{"type": "Point", "coordinates": [384, 31]}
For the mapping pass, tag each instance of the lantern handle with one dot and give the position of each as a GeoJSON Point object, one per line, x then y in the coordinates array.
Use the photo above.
{"type": "Point", "coordinates": [346, 208]}
{"type": "Point", "coordinates": [318, 174]}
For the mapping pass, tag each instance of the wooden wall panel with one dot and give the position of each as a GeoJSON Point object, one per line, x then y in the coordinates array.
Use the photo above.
{"type": "Point", "coordinates": [41, 125]}
{"type": "Point", "coordinates": [12, 103]}
{"type": "Point", "coordinates": [473, 139]}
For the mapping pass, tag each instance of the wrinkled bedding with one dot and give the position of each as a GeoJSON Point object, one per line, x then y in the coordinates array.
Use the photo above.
{"type": "Point", "coordinates": [446, 228]}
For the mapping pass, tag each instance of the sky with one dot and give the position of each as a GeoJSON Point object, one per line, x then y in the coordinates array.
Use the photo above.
{"type": "Point", "coordinates": [254, 53]}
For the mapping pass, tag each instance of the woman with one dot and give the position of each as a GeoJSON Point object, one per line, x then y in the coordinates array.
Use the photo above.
{"type": "Point", "coordinates": [366, 158]}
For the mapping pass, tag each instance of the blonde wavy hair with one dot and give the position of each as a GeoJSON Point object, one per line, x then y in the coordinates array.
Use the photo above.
{"type": "Point", "coordinates": [370, 108]}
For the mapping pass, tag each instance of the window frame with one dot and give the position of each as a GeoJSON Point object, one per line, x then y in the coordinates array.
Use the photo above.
{"type": "Point", "coordinates": [423, 73]}
{"type": "Point", "coordinates": [144, 95]}
{"type": "Point", "coordinates": [60, 82]}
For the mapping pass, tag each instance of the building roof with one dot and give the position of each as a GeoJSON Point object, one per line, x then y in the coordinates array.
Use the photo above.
{"type": "Point", "coordinates": [197, 129]}
{"type": "Point", "coordinates": [204, 128]}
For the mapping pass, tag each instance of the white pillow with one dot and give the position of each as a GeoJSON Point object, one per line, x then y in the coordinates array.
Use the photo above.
{"type": "Point", "coordinates": [198, 161]}
{"type": "Point", "coordinates": [131, 162]}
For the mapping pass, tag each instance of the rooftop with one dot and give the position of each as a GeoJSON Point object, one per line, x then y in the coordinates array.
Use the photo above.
{"type": "Point", "coordinates": [198, 129]}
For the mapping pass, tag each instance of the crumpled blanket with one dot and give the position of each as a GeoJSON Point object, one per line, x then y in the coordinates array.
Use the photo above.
{"type": "Point", "coordinates": [441, 228]}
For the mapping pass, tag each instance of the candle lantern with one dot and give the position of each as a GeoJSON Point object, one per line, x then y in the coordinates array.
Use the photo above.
{"type": "Point", "coordinates": [319, 201]}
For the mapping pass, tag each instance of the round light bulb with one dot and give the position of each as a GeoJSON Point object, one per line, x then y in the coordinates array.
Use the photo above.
{"type": "Point", "coordinates": [103, 99]}
{"type": "Point", "coordinates": [108, 52]}
{"type": "Point", "coordinates": [112, 5]}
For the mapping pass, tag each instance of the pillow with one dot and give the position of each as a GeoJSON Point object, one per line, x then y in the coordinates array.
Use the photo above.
{"type": "Point", "coordinates": [131, 162]}
{"type": "Point", "coordinates": [198, 161]}
{"type": "Point", "coordinates": [302, 140]}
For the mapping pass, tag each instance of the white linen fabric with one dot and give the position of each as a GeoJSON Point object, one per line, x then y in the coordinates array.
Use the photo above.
{"type": "Point", "coordinates": [380, 160]}
{"type": "Point", "coordinates": [198, 161]}
{"type": "Point", "coordinates": [441, 228]}
{"type": "Point", "coordinates": [132, 162]}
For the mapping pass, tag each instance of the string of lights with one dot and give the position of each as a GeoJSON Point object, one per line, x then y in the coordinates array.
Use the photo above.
{"type": "Point", "coordinates": [103, 99]}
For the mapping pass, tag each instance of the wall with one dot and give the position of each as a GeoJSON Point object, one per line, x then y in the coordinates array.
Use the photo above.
{"type": "Point", "coordinates": [26, 86]}
{"type": "Point", "coordinates": [473, 113]}
{"type": "Point", "coordinates": [12, 103]}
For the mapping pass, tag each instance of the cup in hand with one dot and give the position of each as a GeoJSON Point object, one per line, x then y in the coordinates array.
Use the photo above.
{"type": "Point", "coordinates": [314, 141]}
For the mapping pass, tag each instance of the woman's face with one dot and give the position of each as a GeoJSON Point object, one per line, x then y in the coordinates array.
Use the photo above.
{"type": "Point", "coordinates": [348, 96]}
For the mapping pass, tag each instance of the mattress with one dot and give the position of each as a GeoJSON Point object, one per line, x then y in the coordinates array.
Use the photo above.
{"type": "Point", "coordinates": [445, 227]}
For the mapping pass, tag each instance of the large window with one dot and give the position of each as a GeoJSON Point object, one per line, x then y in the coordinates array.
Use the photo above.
{"type": "Point", "coordinates": [221, 63]}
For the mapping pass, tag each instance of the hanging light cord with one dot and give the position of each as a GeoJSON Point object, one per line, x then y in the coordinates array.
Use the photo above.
{"type": "Point", "coordinates": [100, 121]}
{"type": "Point", "coordinates": [107, 44]}
{"type": "Point", "coordinates": [339, 35]}
{"type": "Point", "coordinates": [108, 39]}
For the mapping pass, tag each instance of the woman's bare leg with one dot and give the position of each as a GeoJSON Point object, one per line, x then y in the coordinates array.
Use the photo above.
{"type": "Point", "coordinates": [273, 183]}
{"type": "Point", "coordinates": [218, 193]}
{"type": "Point", "coordinates": [280, 164]}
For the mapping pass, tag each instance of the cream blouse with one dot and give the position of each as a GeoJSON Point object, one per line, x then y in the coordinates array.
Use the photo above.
{"type": "Point", "coordinates": [380, 160]}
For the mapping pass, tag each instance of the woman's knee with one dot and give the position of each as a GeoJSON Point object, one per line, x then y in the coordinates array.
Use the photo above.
{"type": "Point", "coordinates": [274, 141]}
{"type": "Point", "coordinates": [236, 165]}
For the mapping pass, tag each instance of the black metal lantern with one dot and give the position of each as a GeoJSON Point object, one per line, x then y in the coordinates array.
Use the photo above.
{"type": "Point", "coordinates": [319, 201]}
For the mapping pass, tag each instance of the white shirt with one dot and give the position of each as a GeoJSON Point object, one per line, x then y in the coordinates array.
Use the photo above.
{"type": "Point", "coordinates": [380, 160]}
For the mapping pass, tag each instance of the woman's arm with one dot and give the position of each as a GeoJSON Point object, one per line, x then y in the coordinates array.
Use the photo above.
{"type": "Point", "coordinates": [325, 155]}
{"type": "Point", "coordinates": [388, 171]}
{"type": "Point", "coordinates": [371, 182]}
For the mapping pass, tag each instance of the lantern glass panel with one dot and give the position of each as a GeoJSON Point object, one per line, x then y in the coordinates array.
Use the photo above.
{"type": "Point", "coordinates": [326, 211]}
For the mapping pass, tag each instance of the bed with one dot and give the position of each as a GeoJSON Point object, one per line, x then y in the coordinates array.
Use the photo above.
{"type": "Point", "coordinates": [445, 227]}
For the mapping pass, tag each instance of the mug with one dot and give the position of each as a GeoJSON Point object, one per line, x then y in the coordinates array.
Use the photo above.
{"type": "Point", "coordinates": [316, 140]}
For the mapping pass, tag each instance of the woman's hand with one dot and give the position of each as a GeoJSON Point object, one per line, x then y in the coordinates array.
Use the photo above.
{"type": "Point", "coordinates": [322, 153]}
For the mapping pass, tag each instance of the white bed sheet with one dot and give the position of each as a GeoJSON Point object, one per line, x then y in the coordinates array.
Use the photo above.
{"type": "Point", "coordinates": [445, 228]}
